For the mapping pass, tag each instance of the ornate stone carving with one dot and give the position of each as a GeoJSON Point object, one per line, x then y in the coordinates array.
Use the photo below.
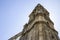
{"type": "Point", "coordinates": [39, 27]}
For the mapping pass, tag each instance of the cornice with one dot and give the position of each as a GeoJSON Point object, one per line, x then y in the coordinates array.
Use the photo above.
{"type": "Point", "coordinates": [43, 22]}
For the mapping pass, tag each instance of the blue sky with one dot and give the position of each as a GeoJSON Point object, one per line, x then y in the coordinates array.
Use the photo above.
{"type": "Point", "coordinates": [14, 14]}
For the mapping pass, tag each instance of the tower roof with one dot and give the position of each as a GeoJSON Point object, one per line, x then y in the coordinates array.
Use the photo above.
{"type": "Point", "coordinates": [39, 8]}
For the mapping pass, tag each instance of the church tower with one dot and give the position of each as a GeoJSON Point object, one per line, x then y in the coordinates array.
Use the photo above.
{"type": "Point", "coordinates": [40, 26]}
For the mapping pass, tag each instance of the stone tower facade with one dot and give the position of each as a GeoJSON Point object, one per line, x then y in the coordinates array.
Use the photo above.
{"type": "Point", "coordinates": [39, 27]}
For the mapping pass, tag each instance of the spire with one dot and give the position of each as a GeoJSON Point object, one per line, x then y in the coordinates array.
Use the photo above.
{"type": "Point", "coordinates": [39, 6]}
{"type": "Point", "coordinates": [39, 9]}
